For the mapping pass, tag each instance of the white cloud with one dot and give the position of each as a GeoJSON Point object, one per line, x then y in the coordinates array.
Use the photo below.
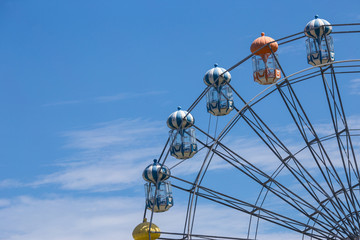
{"type": "Point", "coordinates": [4, 202]}
{"type": "Point", "coordinates": [95, 177]}
{"type": "Point", "coordinates": [110, 155]}
{"type": "Point", "coordinates": [355, 86]}
{"type": "Point", "coordinates": [295, 49]}
{"type": "Point", "coordinates": [128, 95]}
{"type": "Point", "coordinates": [10, 183]}
{"type": "Point", "coordinates": [69, 218]}
{"type": "Point", "coordinates": [60, 218]}
{"type": "Point", "coordinates": [122, 132]}
{"type": "Point", "coordinates": [105, 99]}
{"type": "Point", "coordinates": [60, 103]}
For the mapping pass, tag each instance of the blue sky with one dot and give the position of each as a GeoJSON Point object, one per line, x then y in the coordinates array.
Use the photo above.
{"type": "Point", "coordinates": [85, 91]}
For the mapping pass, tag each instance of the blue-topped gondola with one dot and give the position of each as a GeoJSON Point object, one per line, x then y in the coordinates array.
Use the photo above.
{"type": "Point", "coordinates": [319, 45]}
{"type": "Point", "coordinates": [157, 191]}
{"type": "Point", "coordinates": [219, 98]}
{"type": "Point", "coordinates": [182, 136]}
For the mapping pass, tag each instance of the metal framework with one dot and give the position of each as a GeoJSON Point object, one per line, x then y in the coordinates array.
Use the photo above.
{"type": "Point", "coordinates": [329, 197]}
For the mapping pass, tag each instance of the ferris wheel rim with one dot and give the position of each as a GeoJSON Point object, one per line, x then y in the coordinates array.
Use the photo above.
{"type": "Point", "coordinates": [258, 97]}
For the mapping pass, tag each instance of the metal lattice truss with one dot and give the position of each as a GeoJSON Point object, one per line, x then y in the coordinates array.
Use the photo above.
{"type": "Point", "coordinates": [328, 200]}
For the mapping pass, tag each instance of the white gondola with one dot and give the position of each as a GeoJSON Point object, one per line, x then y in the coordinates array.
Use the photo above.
{"type": "Point", "coordinates": [182, 137]}
{"type": "Point", "coordinates": [157, 191]}
{"type": "Point", "coordinates": [319, 44]}
{"type": "Point", "coordinates": [219, 98]}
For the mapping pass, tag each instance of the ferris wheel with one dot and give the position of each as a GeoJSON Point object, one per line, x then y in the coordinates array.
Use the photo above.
{"type": "Point", "coordinates": [298, 171]}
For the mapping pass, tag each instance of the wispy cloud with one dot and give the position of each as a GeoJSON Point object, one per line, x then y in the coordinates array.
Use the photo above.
{"type": "Point", "coordinates": [60, 103]}
{"type": "Point", "coordinates": [355, 86]}
{"type": "Point", "coordinates": [10, 183]}
{"type": "Point", "coordinates": [128, 95]}
{"type": "Point", "coordinates": [4, 202]}
{"type": "Point", "coordinates": [110, 156]}
{"type": "Point", "coordinates": [69, 218]}
{"type": "Point", "coordinates": [91, 218]}
{"type": "Point", "coordinates": [295, 49]}
{"type": "Point", "coordinates": [114, 171]}
{"type": "Point", "coordinates": [105, 99]}
{"type": "Point", "coordinates": [122, 132]}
